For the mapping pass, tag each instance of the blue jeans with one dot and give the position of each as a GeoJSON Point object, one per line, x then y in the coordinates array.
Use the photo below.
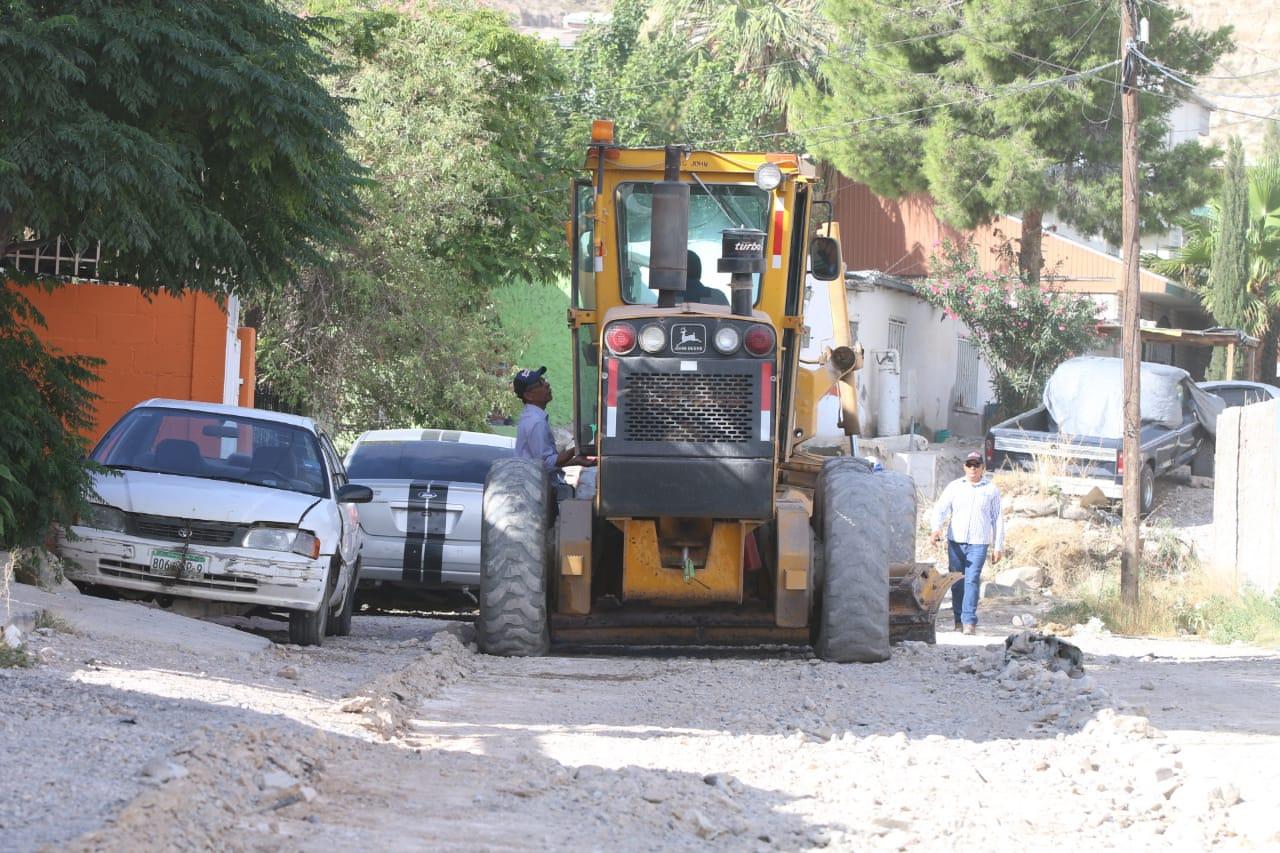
{"type": "Point", "coordinates": [962, 557]}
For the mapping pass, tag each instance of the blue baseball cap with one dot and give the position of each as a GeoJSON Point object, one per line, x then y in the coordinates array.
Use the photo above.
{"type": "Point", "coordinates": [526, 379]}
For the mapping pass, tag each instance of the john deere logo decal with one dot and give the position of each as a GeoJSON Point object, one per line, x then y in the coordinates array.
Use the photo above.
{"type": "Point", "coordinates": [688, 338]}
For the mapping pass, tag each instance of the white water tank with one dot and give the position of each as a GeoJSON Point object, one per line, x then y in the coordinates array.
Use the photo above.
{"type": "Point", "coordinates": [888, 392]}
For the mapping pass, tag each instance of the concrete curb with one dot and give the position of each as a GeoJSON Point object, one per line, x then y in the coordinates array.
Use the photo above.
{"type": "Point", "coordinates": [100, 617]}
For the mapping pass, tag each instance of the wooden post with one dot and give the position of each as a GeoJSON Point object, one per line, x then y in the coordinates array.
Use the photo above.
{"type": "Point", "coordinates": [1231, 360]}
{"type": "Point", "coordinates": [1130, 344]}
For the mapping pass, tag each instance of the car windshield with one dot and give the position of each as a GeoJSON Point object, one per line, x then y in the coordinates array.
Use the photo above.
{"type": "Point", "coordinates": [745, 206]}
{"type": "Point", "coordinates": [215, 447]}
{"type": "Point", "coordinates": [438, 461]}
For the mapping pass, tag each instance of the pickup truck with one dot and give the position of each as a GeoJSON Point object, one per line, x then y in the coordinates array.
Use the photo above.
{"type": "Point", "coordinates": [1075, 437]}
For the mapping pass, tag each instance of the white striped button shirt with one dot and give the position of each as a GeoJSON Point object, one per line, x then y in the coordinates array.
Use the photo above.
{"type": "Point", "coordinates": [975, 513]}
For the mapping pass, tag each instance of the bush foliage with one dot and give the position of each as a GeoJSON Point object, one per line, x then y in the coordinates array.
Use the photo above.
{"type": "Point", "coordinates": [45, 401]}
{"type": "Point", "coordinates": [1022, 329]}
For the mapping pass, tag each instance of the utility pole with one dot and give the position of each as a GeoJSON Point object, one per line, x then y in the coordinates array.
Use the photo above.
{"type": "Point", "coordinates": [1130, 341]}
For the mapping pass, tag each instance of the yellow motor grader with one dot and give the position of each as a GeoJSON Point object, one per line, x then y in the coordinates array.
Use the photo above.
{"type": "Point", "coordinates": [709, 522]}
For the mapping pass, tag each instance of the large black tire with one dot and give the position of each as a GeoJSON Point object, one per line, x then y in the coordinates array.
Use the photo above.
{"type": "Point", "coordinates": [1146, 489]}
{"type": "Point", "coordinates": [340, 622]}
{"type": "Point", "coordinates": [309, 629]}
{"type": "Point", "coordinates": [868, 521]}
{"type": "Point", "coordinates": [513, 560]}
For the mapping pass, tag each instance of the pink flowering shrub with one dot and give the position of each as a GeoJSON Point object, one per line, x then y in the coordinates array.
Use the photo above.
{"type": "Point", "coordinates": [1022, 330]}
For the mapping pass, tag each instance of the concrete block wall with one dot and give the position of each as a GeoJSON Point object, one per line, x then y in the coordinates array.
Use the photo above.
{"type": "Point", "coordinates": [1246, 496]}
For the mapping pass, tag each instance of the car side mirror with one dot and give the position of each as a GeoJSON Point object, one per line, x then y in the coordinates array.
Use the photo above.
{"type": "Point", "coordinates": [352, 493]}
{"type": "Point", "coordinates": [824, 258]}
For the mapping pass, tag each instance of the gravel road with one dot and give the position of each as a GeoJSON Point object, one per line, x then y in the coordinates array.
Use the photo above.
{"type": "Point", "coordinates": [402, 737]}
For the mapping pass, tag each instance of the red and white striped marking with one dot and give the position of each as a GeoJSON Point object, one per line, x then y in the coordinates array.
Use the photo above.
{"type": "Point", "coordinates": [766, 401]}
{"type": "Point", "coordinates": [611, 398]}
{"type": "Point", "coordinates": [777, 239]}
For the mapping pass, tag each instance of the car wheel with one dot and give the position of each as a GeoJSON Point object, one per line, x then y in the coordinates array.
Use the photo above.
{"type": "Point", "coordinates": [513, 560]}
{"type": "Point", "coordinates": [1146, 489]}
{"type": "Point", "coordinates": [309, 628]}
{"type": "Point", "coordinates": [340, 624]}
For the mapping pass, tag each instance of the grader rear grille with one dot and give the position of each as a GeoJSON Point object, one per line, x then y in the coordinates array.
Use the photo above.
{"type": "Point", "coordinates": [693, 408]}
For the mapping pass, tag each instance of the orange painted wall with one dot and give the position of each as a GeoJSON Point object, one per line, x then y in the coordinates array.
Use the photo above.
{"type": "Point", "coordinates": [158, 347]}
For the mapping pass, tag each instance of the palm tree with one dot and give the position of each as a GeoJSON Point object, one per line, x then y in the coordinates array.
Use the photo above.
{"type": "Point", "coordinates": [779, 42]}
{"type": "Point", "coordinates": [1191, 264]}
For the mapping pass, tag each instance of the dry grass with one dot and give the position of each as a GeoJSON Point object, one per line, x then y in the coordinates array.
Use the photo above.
{"type": "Point", "coordinates": [1068, 551]}
{"type": "Point", "coordinates": [49, 619]}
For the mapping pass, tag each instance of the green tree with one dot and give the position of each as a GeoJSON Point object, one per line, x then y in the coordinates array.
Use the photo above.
{"type": "Point", "coordinates": [1228, 290]}
{"type": "Point", "coordinates": [193, 143]}
{"type": "Point", "coordinates": [982, 104]}
{"type": "Point", "coordinates": [1023, 328]}
{"type": "Point", "coordinates": [1259, 311]}
{"type": "Point", "coordinates": [449, 108]}
{"type": "Point", "coordinates": [45, 402]}
{"type": "Point", "coordinates": [660, 86]}
{"type": "Point", "coordinates": [192, 140]}
{"type": "Point", "coordinates": [776, 44]}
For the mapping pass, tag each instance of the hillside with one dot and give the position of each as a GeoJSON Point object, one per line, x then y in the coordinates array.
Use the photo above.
{"type": "Point", "coordinates": [1257, 33]}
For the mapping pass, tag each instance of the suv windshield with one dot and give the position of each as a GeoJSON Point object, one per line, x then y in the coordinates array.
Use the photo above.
{"type": "Point", "coordinates": [747, 205]}
{"type": "Point", "coordinates": [424, 460]}
{"type": "Point", "coordinates": [215, 447]}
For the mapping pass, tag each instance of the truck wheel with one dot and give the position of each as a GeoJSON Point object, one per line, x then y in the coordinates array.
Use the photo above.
{"type": "Point", "coordinates": [868, 521]}
{"type": "Point", "coordinates": [513, 561]}
{"type": "Point", "coordinates": [1146, 489]}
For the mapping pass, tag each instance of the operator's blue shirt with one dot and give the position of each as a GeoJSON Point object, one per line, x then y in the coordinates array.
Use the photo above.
{"type": "Point", "coordinates": [534, 441]}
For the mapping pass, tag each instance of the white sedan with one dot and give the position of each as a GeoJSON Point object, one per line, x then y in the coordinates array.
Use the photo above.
{"type": "Point", "coordinates": [226, 509]}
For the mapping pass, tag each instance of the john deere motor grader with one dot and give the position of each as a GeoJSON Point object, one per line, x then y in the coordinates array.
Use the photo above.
{"type": "Point", "coordinates": [709, 522]}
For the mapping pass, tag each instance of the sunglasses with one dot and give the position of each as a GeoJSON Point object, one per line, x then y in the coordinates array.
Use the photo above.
{"type": "Point", "coordinates": [973, 464]}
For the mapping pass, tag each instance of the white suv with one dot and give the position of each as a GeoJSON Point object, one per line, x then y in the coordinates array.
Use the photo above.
{"type": "Point", "coordinates": [209, 503]}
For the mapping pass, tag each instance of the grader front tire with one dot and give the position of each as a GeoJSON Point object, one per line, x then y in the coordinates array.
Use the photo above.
{"type": "Point", "coordinates": [513, 561]}
{"type": "Point", "coordinates": [868, 521]}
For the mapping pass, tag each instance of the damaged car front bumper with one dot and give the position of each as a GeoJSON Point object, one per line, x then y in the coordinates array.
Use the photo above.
{"type": "Point", "coordinates": [253, 577]}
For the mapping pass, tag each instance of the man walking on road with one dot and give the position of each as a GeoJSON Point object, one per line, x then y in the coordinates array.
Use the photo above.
{"type": "Point", "coordinates": [533, 434]}
{"type": "Point", "coordinates": [976, 530]}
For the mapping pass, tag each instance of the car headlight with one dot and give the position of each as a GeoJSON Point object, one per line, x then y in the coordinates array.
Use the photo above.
{"type": "Point", "coordinates": [283, 539]}
{"type": "Point", "coordinates": [103, 517]}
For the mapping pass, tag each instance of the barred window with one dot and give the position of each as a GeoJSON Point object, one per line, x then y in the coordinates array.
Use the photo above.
{"type": "Point", "coordinates": [58, 259]}
{"type": "Point", "coordinates": [966, 376]}
{"type": "Point", "coordinates": [898, 338]}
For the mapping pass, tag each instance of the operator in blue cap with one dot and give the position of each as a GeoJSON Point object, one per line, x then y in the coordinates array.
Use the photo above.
{"type": "Point", "coordinates": [533, 434]}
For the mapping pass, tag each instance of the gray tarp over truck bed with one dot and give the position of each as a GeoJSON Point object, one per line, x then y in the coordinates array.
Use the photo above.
{"type": "Point", "coordinates": [1085, 397]}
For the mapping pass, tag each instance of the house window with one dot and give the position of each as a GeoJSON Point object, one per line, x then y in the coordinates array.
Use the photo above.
{"type": "Point", "coordinates": [57, 260]}
{"type": "Point", "coordinates": [898, 338]}
{"type": "Point", "coordinates": [966, 376]}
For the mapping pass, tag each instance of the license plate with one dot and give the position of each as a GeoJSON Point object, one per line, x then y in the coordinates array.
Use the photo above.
{"type": "Point", "coordinates": [171, 564]}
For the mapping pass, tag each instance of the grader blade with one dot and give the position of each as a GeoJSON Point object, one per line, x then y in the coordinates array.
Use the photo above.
{"type": "Point", "coordinates": [916, 591]}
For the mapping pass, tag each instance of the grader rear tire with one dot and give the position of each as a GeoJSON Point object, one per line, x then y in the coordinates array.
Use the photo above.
{"type": "Point", "coordinates": [868, 522]}
{"type": "Point", "coordinates": [513, 561]}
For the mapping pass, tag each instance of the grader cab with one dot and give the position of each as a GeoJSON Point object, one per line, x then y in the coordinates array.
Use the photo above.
{"type": "Point", "coordinates": [709, 522]}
